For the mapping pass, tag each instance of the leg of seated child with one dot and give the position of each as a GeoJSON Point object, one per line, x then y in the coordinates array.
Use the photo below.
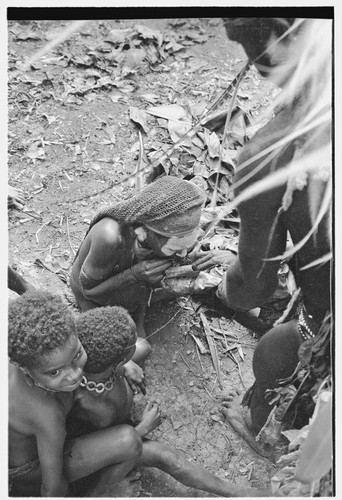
{"type": "Point", "coordinates": [118, 447]}
{"type": "Point", "coordinates": [142, 351]}
{"type": "Point", "coordinates": [167, 459]}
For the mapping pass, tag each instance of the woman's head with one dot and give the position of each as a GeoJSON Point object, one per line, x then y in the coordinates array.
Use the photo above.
{"type": "Point", "coordinates": [42, 340]}
{"type": "Point", "coordinates": [108, 335]}
{"type": "Point", "coordinates": [168, 207]}
{"type": "Point", "coordinates": [165, 246]}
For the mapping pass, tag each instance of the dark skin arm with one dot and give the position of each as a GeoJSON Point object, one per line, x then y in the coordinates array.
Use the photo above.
{"type": "Point", "coordinates": [105, 243]}
{"type": "Point", "coordinates": [17, 283]}
{"type": "Point", "coordinates": [50, 434]}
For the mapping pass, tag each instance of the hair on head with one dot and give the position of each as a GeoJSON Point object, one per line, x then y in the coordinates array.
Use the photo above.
{"type": "Point", "coordinates": [39, 323]}
{"type": "Point", "coordinates": [105, 333]}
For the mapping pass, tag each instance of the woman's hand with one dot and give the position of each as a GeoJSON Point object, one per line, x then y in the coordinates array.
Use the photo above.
{"type": "Point", "coordinates": [135, 377]}
{"type": "Point", "coordinates": [202, 260]}
{"type": "Point", "coordinates": [151, 271]}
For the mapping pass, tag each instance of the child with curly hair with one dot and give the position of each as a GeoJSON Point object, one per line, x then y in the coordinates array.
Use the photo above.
{"type": "Point", "coordinates": [46, 366]}
{"type": "Point", "coordinates": [104, 398]}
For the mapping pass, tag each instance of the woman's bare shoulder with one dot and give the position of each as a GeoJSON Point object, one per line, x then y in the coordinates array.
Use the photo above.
{"type": "Point", "coordinates": [106, 231]}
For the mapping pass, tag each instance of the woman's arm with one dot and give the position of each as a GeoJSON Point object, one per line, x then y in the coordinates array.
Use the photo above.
{"type": "Point", "coordinates": [105, 248]}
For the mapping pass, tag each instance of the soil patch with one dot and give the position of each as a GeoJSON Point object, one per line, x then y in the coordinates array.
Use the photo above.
{"type": "Point", "coordinates": [71, 142]}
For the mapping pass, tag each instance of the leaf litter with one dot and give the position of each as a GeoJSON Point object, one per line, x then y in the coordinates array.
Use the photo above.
{"type": "Point", "coordinates": [151, 90]}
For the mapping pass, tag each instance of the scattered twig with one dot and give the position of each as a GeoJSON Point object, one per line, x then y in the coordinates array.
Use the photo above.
{"type": "Point", "coordinates": [231, 354]}
{"type": "Point", "coordinates": [218, 330]}
{"type": "Point", "coordinates": [231, 348]}
{"type": "Point", "coordinates": [199, 358]}
{"type": "Point", "coordinates": [60, 272]}
{"type": "Point", "coordinates": [206, 390]}
{"type": "Point", "coordinates": [139, 178]}
{"type": "Point", "coordinates": [212, 347]}
{"type": "Point", "coordinates": [213, 387]}
{"type": "Point", "coordinates": [199, 344]}
{"type": "Point", "coordinates": [190, 133]}
{"type": "Point", "coordinates": [45, 224]}
{"type": "Point", "coordinates": [196, 374]}
{"type": "Point", "coordinates": [163, 326]}
{"type": "Point", "coordinates": [37, 217]}
{"type": "Point", "coordinates": [67, 228]}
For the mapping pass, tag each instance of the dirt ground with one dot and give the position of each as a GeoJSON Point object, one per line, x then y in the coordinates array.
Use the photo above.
{"type": "Point", "coordinates": [71, 142]}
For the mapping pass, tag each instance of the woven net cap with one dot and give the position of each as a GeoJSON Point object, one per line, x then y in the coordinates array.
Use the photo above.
{"type": "Point", "coordinates": [169, 206]}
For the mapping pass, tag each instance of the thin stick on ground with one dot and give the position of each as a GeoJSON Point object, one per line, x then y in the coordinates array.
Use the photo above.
{"type": "Point", "coordinates": [163, 326]}
{"type": "Point", "coordinates": [68, 234]}
{"type": "Point", "coordinates": [199, 358]}
{"type": "Point", "coordinates": [196, 374]}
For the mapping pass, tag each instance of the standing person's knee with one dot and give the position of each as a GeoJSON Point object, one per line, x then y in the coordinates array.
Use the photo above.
{"type": "Point", "coordinates": [276, 351]}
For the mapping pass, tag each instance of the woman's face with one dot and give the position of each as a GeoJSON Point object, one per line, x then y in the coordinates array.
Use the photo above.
{"type": "Point", "coordinates": [61, 370]}
{"type": "Point", "coordinates": [163, 246]}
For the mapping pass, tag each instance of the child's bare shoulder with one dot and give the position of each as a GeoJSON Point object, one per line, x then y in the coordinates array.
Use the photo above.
{"type": "Point", "coordinates": [32, 409]}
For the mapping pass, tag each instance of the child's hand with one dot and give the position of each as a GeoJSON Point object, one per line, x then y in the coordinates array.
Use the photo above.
{"type": "Point", "coordinates": [151, 417]}
{"type": "Point", "coordinates": [135, 377]}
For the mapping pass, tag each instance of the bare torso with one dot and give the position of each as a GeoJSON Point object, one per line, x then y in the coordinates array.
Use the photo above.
{"type": "Point", "coordinates": [28, 406]}
{"type": "Point", "coordinates": [108, 408]}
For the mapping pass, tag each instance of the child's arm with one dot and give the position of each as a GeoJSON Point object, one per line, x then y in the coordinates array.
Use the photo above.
{"type": "Point", "coordinates": [150, 419]}
{"type": "Point", "coordinates": [50, 434]}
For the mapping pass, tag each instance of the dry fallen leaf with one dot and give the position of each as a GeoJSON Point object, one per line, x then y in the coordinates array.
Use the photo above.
{"type": "Point", "coordinates": [138, 116]}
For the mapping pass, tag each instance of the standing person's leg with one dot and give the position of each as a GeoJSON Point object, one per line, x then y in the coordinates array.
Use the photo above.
{"type": "Point", "coordinates": [167, 459]}
{"type": "Point", "coordinates": [275, 358]}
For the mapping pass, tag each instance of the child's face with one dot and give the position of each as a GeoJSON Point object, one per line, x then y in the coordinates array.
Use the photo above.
{"type": "Point", "coordinates": [61, 370]}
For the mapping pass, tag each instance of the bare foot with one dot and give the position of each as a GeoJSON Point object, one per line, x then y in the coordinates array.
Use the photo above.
{"type": "Point", "coordinates": [239, 419]}
{"type": "Point", "coordinates": [130, 486]}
